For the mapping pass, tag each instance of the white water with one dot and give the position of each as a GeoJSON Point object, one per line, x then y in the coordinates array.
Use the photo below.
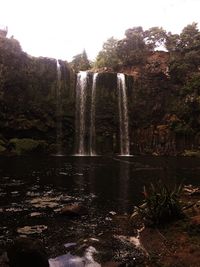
{"type": "Point", "coordinates": [123, 115]}
{"type": "Point", "coordinates": [80, 113]}
{"type": "Point", "coordinates": [92, 141]}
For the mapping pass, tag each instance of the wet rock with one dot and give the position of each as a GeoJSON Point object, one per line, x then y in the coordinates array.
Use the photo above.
{"type": "Point", "coordinates": [113, 213]}
{"type": "Point", "coordinates": [195, 221]}
{"type": "Point", "coordinates": [35, 214]}
{"type": "Point", "coordinates": [69, 245]}
{"type": "Point", "coordinates": [191, 190]}
{"type": "Point", "coordinates": [129, 252]}
{"type": "Point", "coordinates": [32, 194]}
{"type": "Point", "coordinates": [15, 193]}
{"type": "Point", "coordinates": [29, 230]}
{"type": "Point", "coordinates": [74, 210]}
{"type": "Point", "coordinates": [26, 252]}
{"type": "Point", "coordinates": [13, 209]}
{"type": "Point", "coordinates": [111, 264]}
{"type": "Point", "coordinates": [45, 202]}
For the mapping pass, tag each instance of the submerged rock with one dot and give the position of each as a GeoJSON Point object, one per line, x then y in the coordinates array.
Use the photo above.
{"type": "Point", "coordinates": [45, 202]}
{"type": "Point", "coordinates": [29, 230]}
{"type": "Point", "coordinates": [74, 210]}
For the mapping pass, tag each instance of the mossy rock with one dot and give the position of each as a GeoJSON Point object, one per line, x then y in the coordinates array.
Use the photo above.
{"type": "Point", "coordinates": [27, 146]}
{"type": "Point", "coordinates": [2, 146]}
{"type": "Point", "coordinates": [192, 153]}
{"type": "Point", "coordinates": [2, 142]}
{"type": "Point", "coordinates": [2, 149]}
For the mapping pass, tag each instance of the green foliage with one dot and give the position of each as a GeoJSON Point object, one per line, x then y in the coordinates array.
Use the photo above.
{"type": "Point", "coordinates": [188, 39]}
{"type": "Point", "coordinates": [172, 42]}
{"type": "Point", "coordinates": [179, 70]}
{"type": "Point", "coordinates": [161, 204]}
{"type": "Point", "coordinates": [27, 146]}
{"type": "Point", "coordinates": [132, 49]}
{"type": "Point", "coordinates": [108, 57]}
{"type": "Point", "coordinates": [190, 36]}
{"type": "Point", "coordinates": [80, 62]}
{"type": "Point", "coordinates": [181, 128]}
{"type": "Point", "coordinates": [155, 37]}
{"type": "Point", "coordinates": [186, 105]}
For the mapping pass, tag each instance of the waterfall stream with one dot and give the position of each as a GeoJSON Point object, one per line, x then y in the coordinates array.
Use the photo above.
{"type": "Point", "coordinates": [80, 113]}
{"type": "Point", "coordinates": [86, 113]}
{"type": "Point", "coordinates": [92, 141]}
{"type": "Point", "coordinates": [123, 115]}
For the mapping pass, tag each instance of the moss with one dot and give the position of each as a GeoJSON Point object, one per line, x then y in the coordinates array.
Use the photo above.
{"type": "Point", "coordinates": [27, 146]}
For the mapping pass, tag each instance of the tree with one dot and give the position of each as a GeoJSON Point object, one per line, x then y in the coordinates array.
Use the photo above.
{"type": "Point", "coordinates": [172, 42]}
{"type": "Point", "coordinates": [131, 50]}
{"type": "Point", "coordinates": [80, 62]}
{"type": "Point", "coordinates": [107, 57]}
{"type": "Point", "coordinates": [155, 37]}
{"type": "Point", "coordinates": [190, 37]}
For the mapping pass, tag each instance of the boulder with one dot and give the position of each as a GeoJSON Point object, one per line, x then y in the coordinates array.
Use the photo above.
{"type": "Point", "coordinates": [26, 252]}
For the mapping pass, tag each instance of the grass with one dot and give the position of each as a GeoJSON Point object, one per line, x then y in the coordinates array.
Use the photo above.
{"type": "Point", "coordinates": [161, 204]}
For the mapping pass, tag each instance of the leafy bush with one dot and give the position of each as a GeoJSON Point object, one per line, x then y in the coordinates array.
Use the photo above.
{"type": "Point", "coordinates": [161, 204]}
{"type": "Point", "coordinates": [27, 146]}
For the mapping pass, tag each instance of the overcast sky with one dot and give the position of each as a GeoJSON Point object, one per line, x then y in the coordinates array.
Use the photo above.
{"type": "Point", "coordinates": [63, 28]}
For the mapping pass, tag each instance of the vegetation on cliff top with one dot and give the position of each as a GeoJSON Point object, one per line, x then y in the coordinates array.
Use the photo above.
{"type": "Point", "coordinates": [135, 47]}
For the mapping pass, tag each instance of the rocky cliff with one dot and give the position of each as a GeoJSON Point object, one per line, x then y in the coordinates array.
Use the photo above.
{"type": "Point", "coordinates": [162, 119]}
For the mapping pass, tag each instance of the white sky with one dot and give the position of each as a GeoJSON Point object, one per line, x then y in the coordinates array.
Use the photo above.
{"type": "Point", "coordinates": [63, 28]}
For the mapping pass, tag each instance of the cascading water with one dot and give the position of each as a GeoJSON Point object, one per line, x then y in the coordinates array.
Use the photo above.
{"type": "Point", "coordinates": [123, 115]}
{"type": "Point", "coordinates": [80, 113]}
{"type": "Point", "coordinates": [92, 140]}
{"type": "Point", "coordinates": [58, 112]}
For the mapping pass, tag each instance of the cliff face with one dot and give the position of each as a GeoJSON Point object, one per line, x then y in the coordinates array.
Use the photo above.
{"type": "Point", "coordinates": [30, 110]}
{"type": "Point", "coordinates": [156, 62]}
{"type": "Point", "coordinates": [28, 96]}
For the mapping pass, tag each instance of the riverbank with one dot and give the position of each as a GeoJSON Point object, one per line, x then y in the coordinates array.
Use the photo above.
{"type": "Point", "coordinates": [176, 243]}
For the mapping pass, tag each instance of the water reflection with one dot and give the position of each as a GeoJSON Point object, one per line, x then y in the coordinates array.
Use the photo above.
{"type": "Point", "coordinates": [124, 185]}
{"type": "Point", "coordinates": [102, 184]}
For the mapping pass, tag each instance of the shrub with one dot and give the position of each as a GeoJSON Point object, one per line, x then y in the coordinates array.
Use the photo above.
{"type": "Point", "coordinates": [27, 146]}
{"type": "Point", "coordinates": [161, 204]}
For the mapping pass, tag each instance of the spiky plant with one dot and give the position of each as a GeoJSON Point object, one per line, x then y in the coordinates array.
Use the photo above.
{"type": "Point", "coordinates": [161, 204]}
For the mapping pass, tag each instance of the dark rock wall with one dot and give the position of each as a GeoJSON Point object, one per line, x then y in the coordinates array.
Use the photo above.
{"type": "Point", "coordinates": [28, 106]}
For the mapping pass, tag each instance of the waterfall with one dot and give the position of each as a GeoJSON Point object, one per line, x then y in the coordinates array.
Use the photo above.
{"type": "Point", "coordinates": [58, 112]}
{"type": "Point", "coordinates": [92, 140]}
{"type": "Point", "coordinates": [80, 113]}
{"type": "Point", "coordinates": [123, 115]}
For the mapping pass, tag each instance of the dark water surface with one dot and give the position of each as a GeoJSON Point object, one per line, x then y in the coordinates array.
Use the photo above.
{"type": "Point", "coordinates": [102, 184]}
